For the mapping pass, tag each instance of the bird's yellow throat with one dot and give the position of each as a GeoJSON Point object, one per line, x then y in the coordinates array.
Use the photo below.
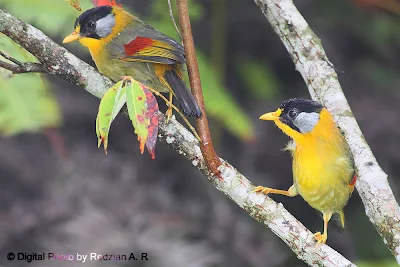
{"type": "Point", "coordinates": [95, 46]}
{"type": "Point", "coordinates": [325, 128]}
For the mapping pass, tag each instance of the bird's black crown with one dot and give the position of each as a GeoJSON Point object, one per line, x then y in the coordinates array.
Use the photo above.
{"type": "Point", "coordinates": [87, 20]}
{"type": "Point", "coordinates": [293, 107]}
{"type": "Point", "coordinates": [300, 105]}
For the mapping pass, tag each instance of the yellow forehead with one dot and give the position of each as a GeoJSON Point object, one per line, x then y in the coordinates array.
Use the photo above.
{"type": "Point", "coordinates": [78, 28]}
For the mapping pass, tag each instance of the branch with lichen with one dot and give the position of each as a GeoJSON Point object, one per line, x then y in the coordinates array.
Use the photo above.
{"type": "Point", "coordinates": [310, 60]}
{"type": "Point", "coordinates": [58, 61]}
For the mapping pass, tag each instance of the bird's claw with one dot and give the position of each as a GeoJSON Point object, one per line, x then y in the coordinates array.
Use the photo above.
{"type": "Point", "coordinates": [320, 238]}
{"type": "Point", "coordinates": [262, 189]}
{"type": "Point", "coordinates": [168, 114]}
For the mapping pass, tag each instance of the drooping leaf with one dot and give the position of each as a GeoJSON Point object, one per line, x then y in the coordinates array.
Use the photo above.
{"type": "Point", "coordinates": [136, 103]}
{"type": "Point", "coordinates": [26, 103]}
{"type": "Point", "coordinates": [106, 2]}
{"type": "Point", "coordinates": [152, 115]}
{"type": "Point", "coordinates": [109, 107]}
{"type": "Point", "coordinates": [120, 100]}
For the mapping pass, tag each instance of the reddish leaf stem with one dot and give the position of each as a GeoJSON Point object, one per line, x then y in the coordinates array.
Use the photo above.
{"type": "Point", "coordinates": [212, 160]}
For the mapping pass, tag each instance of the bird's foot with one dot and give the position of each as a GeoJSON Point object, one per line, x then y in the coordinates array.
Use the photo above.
{"type": "Point", "coordinates": [320, 238]}
{"type": "Point", "coordinates": [262, 189]}
{"type": "Point", "coordinates": [168, 113]}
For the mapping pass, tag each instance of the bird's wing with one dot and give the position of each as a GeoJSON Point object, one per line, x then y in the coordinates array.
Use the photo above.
{"type": "Point", "coordinates": [143, 43]}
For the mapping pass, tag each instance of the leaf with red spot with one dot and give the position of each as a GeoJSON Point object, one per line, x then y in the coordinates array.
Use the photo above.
{"type": "Point", "coordinates": [152, 115]}
{"type": "Point", "coordinates": [137, 109]}
{"type": "Point", "coordinates": [106, 2]}
{"type": "Point", "coordinates": [110, 105]}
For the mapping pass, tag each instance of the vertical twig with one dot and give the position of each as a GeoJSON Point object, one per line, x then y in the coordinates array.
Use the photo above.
{"type": "Point", "coordinates": [171, 14]}
{"type": "Point", "coordinates": [211, 158]}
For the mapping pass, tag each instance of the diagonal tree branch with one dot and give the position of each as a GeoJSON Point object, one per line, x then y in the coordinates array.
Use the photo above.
{"type": "Point", "coordinates": [311, 61]}
{"type": "Point", "coordinates": [207, 148]}
{"type": "Point", "coordinates": [234, 185]}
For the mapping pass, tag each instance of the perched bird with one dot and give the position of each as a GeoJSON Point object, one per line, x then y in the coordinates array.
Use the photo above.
{"type": "Point", "coordinates": [123, 45]}
{"type": "Point", "coordinates": [323, 167]}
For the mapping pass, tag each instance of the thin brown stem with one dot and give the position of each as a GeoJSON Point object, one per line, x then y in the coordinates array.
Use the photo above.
{"type": "Point", "coordinates": [211, 158]}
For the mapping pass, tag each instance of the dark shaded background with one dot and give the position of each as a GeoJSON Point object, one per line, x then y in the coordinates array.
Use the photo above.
{"type": "Point", "coordinates": [76, 199]}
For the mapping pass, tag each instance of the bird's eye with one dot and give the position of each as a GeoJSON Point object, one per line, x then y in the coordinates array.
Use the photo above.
{"type": "Point", "coordinates": [92, 24]}
{"type": "Point", "coordinates": [292, 113]}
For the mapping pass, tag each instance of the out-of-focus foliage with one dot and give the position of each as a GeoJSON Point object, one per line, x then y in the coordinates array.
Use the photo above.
{"type": "Point", "coordinates": [54, 17]}
{"type": "Point", "coordinates": [26, 103]}
{"type": "Point", "coordinates": [392, 263]}
{"type": "Point", "coordinates": [259, 78]}
{"type": "Point", "coordinates": [386, 5]}
{"type": "Point", "coordinates": [383, 76]}
{"type": "Point", "coordinates": [374, 25]}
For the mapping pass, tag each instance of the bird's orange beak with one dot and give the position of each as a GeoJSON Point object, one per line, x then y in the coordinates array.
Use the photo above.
{"type": "Point", "coordinates": [74, 36]}
{"type": "Point", "coordinates": [271, 116]}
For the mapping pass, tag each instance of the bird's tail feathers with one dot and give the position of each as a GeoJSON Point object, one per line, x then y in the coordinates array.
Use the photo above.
{"type": "Point", "coordinates": [184, 97]}
{"type": "Point", "coordinates": [342, 220]}
{"type": "Point", "coordinates": [339, 220]}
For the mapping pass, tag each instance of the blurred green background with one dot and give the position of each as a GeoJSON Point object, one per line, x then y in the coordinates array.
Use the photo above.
{"type": "Point", "coordinates": [61, 194]}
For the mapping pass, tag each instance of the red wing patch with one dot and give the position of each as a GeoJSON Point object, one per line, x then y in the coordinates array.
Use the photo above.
{"type": "Point", "coordinates": [106, 3]}
{"type": "Point", "coordinates": [353, 182]}
{"type": "Point", "coordinates": [137, 45]}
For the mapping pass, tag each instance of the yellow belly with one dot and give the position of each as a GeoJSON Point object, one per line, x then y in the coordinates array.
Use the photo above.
{"type": "Point", "coordinates": [322, 174]}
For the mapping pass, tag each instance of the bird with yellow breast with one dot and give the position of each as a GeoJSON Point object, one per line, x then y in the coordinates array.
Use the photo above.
{"type": "Point", "coordinates": [323, 167]}
{"type": "Point", "coordinates": [123, 45]}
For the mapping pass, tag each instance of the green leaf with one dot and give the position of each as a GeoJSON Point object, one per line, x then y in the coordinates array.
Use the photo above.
{"type": "Point", "coordinates": [26, 103]}
{"type": "Point", "coordinates": [137, 109]}
{"type": "Point", "coordinates": [110, 105]}
{"type": "Point", "coordinates": [119, 102]}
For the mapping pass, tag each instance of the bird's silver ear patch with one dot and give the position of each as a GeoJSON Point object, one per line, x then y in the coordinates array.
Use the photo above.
{"type": "Point", "coordinates": [105, 25]}
{"type": "Point", "coordinates": [306, 121]}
